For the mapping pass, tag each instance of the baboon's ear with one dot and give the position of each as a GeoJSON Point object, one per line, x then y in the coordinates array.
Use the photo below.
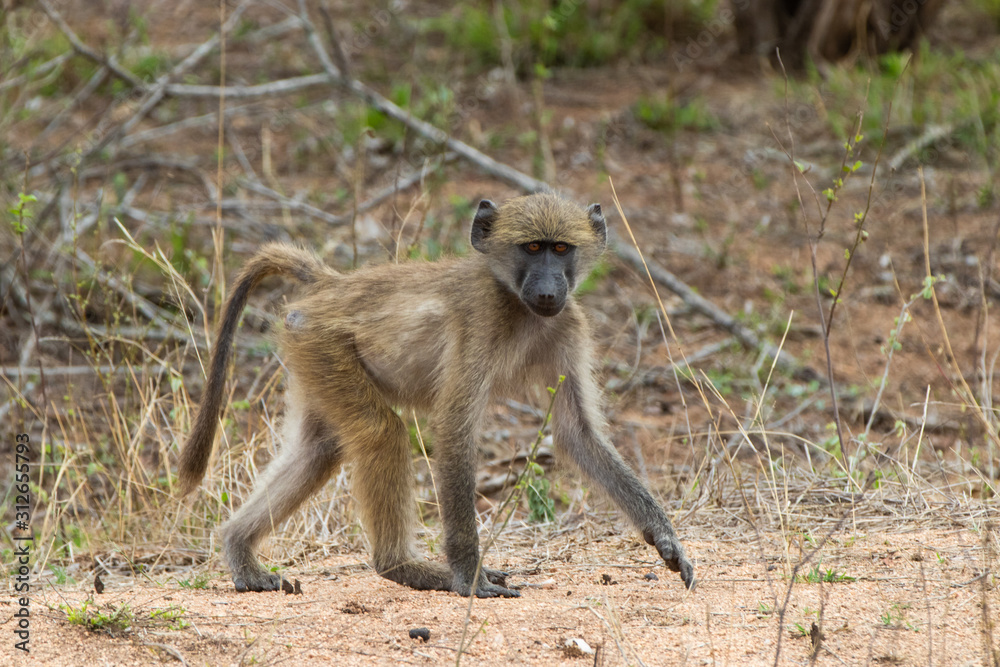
{"type": "Point", "coordinates": [482, 224]}
{"type": "Point", "coordinates": [597, 222]}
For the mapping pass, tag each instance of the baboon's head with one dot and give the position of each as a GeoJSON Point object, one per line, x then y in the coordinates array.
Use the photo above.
{"type": "Point", "coordinates": [540, 246]}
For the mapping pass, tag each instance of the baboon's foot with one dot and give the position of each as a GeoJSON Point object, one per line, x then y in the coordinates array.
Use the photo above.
{"type": "Point", "coordinates": [248, 574]}
{"type": "Point", "coordinates": [256, 580]}
{"type": "Point", "coordinates": [672, 553]}
{"type": "Point", "coordinates": [419, 574]}
{"type": "Point", "coordinates": [498, 577]}
{"type": "Point", "coordinates": [485, 588]}
{"type": "Point", "coordinates": [488, 590]}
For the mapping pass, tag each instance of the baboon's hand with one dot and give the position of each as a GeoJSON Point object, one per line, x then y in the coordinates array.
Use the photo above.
{"type": "Point", "coordinates": [486, 587]}
{"type": "Point", "coordinates": [257, 581]}
{"type": "Point", "coordinates": [672, 553]}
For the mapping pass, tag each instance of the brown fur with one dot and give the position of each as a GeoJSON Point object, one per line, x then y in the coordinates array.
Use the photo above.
{"type": "Point", "coordinates": [443, 337]}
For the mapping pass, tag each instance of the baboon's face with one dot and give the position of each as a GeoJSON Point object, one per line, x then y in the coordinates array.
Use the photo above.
{"type": "Point", "coordinates": [545, 275]}
{"type": "Point", "coordinates": [538, 245]}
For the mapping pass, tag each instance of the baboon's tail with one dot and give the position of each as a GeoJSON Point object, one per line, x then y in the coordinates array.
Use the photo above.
{"type": "Point", "coordinates": [271, 259]}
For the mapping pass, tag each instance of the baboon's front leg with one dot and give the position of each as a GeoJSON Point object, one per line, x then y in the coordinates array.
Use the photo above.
{"type": "Point", "coordinates": [456, 459]}
{"type": "Point", "coordinates": [578, 431]}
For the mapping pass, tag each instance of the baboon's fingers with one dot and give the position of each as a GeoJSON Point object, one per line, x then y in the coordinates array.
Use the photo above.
{"type": "Point", "coordinates": [497, 577]}
{"type": "Point", "coordinates": [672, 553]}
{"type": "Point", "coordinates": [680, 563]}
{"type": "Point", "coordinates": [687, 574]}
{"type": "Point", "coordinates": [486, 590]}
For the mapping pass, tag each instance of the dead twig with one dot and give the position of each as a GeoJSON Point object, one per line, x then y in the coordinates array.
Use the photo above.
{"type": "Point", "coordinates": [75, 102]}
{"type": "Point", "coordinates": [110, 62]}
{"type": "Point", "coordinates": [375, 200]}
{"type": "Point", "coordinates": [169, 650]}
{"type": "Point", "coordinates": [280, 87]}
{"type": "Point", "coordinates": [703, 306]}
{"type": "Point", "coordinates": [37, 72]}
{"type": "Point", "coordinates": [931, 134]}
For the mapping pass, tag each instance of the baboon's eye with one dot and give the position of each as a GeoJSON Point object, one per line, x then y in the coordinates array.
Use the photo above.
{"type": "Point", "coordinates": [560, 248]}
{"type": "Point", "coordinates": [533, 247]}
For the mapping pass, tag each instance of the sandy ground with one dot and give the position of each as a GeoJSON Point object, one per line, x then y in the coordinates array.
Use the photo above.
{"type": "Point", "coordinates": [906, 598]}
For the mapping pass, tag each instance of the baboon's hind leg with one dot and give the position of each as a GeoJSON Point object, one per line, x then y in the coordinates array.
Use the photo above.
{"type": "Point", "coordinates": [377, 442]}
{"type": "Point", "coordinates": [309, 455]}
{"type": "Point", "coordinates": [383, 478]}
{"type": "Point", "coordinates": [383, 484]}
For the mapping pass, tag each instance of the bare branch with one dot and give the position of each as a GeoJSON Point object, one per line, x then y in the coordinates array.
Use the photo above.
{"type": "Point", "coordinates": [110, 62]}
{"type": "Point", "coordinates": [44, 68]}
{"type": "Point", "coordinates": [701, 305]}
{"type": "Point", "coordinates": [280, 87]}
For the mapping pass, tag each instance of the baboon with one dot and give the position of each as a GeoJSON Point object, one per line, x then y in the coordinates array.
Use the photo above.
{"type": "Point", "coordinates": [442, 337]}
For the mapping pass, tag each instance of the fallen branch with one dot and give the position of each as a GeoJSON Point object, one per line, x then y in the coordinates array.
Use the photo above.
{"type": "Point", "coordinates": [746, 336]}
{"type": "Point", "coordinates": [385, 193]}
{"type": "Point", "coordinates": [205, 120]}
{"type": "Point", "coordinates": [105, 369]}
{"type": "Point", "coordinates": [74, 103]}
{"type": "Point", "coordinates": [280, 87]}
{"type": "Point", "coordinates": [665, 373]}
{"type": "Point", "coordinates": [914, 146]}
{"type": "Point", "coordinates": [152, 312]}
{"type": "Point", "coordinates": [529, 184]}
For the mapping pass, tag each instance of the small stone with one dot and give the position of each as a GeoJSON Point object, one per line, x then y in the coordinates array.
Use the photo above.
{"type": "Point", "coordinates": [576, 648]}
{"type": "Point", "coordinates": [423, 634]}
{"type": "Point", "coordinates": [291, 589]}
{"type": "Point", "coordinates": [650, 576]}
